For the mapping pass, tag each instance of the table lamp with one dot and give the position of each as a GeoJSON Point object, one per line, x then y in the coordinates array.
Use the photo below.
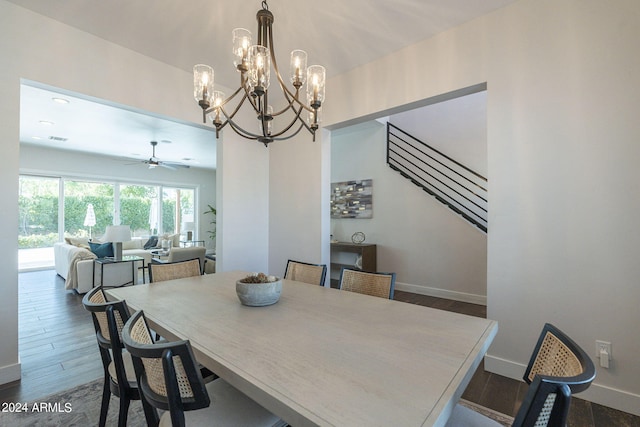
{"type": "Point", "coordinates": [116, 234]}
{"type": "Point", "coordinates": [188, 227]}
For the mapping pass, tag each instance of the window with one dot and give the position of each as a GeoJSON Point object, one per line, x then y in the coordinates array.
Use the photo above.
{"type": "Point", "coordinates": [78, 195]}
{"type": "Point", "coordinates": [177, 210]}
{"type": "Point", "coordinates": [139, 209]}
{"type": "Point", "coordinates": [148, 209]}
{"type": "Point", "coordinates": [38, 211]}
{"type": "Point", "coordinates": [52, 207]}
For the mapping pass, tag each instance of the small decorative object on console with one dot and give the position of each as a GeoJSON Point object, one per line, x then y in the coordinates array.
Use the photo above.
{"type": "Point", "coordinates": [358, 237]}
{"type": "Point", "coordinates": [258, 290]}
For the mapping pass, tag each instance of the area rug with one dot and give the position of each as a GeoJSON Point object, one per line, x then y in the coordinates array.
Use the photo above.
{"type": "Point", "coordinates": [499, 417]}
{"type": "Point", "coordinates": [75, 407]}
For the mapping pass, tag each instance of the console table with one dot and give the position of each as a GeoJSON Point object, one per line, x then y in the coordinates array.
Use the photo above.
{"type": "Point", "coordinates": [366, 251]}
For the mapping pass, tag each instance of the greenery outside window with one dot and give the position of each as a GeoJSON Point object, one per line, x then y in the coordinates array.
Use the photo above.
{"type": "Point", "coordinates": [177, 210]}
{"type": "Point", "coordinates": [38, 211]}
{"type": "Point", "coordinates": [139, 209]}
{"type": "Point", "coordinates": [148, 209]}
{"type": "Point", "coordinates": [77, 197]}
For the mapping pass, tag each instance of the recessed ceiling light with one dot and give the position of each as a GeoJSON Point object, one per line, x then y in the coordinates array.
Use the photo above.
{"type": "Point", "coordinates": [46, 123]}
{"type": "Point", "coordinates": [187, 159]}
{"type": "Point", "coordinates": [36, 137]}
{"type": "Point", "coordinates": [165, 141]}
{"type": "Point", "coordinates": [60, 100]}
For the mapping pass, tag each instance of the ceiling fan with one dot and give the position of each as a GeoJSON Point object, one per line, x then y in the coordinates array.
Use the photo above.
{"type": "Point", "coordinates": [153, 161]}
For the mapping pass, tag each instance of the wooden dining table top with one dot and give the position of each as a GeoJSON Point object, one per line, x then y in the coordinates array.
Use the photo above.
{"type": "Point", "coordinates": [322, 356]}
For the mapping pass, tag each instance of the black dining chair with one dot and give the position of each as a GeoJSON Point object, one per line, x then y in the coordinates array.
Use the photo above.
{"type": "Point", "coordinates": [557, 368]}
{"type": "Point", "coordinates": [119, 375]}
{"type": "Point", "coordinates": [314, 274]}
{"type": "Point", "coordinates": [170, 380]}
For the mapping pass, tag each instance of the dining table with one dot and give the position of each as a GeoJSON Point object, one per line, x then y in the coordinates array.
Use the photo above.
{"type": "Point", "coordinates": [322, 356]}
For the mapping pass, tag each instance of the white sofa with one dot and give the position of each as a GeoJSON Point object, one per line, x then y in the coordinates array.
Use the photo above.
{"type": "Point", "coordinates": [65, 254]}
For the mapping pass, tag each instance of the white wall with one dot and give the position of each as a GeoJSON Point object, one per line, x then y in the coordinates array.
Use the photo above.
{"type": "Point", "coordinates": [456, 127]}
{"type": "Point", "coordinates": [563, 81]}
{"type": "Point", "coordinates": [243, 204]}
{"type": "Point", "coordinates": [42, 50]}
{"type": "Point", "coordinates": [298, 201]}
{"type": "Point", "coordinates": [432, 250]}
{"type": "Point", "coordinates": [38, 160]}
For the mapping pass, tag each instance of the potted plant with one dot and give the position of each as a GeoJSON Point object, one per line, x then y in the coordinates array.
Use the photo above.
{"type": "Point", "coordinates": [212, 211]}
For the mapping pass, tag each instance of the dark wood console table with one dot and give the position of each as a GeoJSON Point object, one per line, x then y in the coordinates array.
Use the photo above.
{"type": "Point", "coordinates": [366, 251]}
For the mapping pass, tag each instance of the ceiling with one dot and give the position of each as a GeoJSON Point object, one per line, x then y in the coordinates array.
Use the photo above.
{"type": "Point", "coordinates": [341, 35]}
{"type": "Point", "coordinates": [92, 126]}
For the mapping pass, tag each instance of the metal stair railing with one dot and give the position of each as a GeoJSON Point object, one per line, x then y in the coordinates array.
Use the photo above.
{"type": "Point", "coordinates": [461, 189]}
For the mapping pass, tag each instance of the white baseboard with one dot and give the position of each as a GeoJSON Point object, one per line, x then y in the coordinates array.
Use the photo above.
{"type": "Point", "coordinates": [442, 293]}
{"type": "Point", "coordinates": [597, 393]}
{"type": "Point", "coordinates": [10, 373]}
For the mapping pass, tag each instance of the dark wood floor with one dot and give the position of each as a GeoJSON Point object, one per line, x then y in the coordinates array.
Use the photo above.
{"type": "Point", "coordinates": [58, 351]}
{"type": "Point", "coordinates": [504, 394]}
{"type": "Point", "coordinates": [57, 342]}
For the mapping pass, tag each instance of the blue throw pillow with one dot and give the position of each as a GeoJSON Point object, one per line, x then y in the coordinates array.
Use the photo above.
{"type": "Point", "coordinates": [102, 250]}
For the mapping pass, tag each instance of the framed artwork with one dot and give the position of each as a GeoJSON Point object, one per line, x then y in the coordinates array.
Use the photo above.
{"type": "Point", "coordinates": [352, 199]}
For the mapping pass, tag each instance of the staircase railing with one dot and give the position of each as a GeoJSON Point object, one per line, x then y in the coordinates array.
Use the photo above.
{"type": "Point", "coordinates": [450, 182]}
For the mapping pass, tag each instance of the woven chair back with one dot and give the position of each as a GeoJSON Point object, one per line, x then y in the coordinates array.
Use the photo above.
{"type": "Point", "coordinates": [557, 356]}
{"type": "Point", "coordinates": [153, 367]}
{"type": "Point", "coordinates": [96, 302]}
{"type": "Point", "coordinates": [307, 273]}
{"type": "Point", "coordinates": [174, 270]}
{"type": "Point", "coordinates": [374, 284]}
{"type": "Point", "coordinates": [555, 359]}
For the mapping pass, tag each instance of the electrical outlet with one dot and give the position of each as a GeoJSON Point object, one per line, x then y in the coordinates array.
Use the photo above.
{"type": "Point", "coordinates": [603, 346]}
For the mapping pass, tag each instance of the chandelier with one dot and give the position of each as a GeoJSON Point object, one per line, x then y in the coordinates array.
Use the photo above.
{"type": "Point", "coordinates": [253, 62]}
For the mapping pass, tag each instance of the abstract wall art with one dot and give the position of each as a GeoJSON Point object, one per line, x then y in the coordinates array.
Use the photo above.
{"type": "Point", "coordinates": [352, 199]}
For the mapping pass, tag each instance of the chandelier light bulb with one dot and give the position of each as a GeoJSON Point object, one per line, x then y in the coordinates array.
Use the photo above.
{"type": "Point", "coordinates": [241, 44]}
{"type": "Point", "coordinates": [316, 76]}
{"type": "Point", "coordinates": [217, 100]}
{"type": "Point", "coordinates": [297, 68]}
{"type": "Point", "coordinates": [259, 68]}
{"type": "Point", "coordinates": [202, 84]}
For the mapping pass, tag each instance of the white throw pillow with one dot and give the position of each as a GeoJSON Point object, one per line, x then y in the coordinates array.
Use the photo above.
{"type": "Point", "coordinates": [175, 240]}
{"type": "Point", "coordinates": [131, 244]}
{"type": "Point", "coordinates": [81, 242]}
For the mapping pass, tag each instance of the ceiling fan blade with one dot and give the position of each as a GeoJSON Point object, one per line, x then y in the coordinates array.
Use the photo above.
{"type": "Point", "coordinates": [176, 165]}
{"type": "Point", "coordinates": [165, 165]}
{"type": "Point", "coordinates": [153, 162]}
